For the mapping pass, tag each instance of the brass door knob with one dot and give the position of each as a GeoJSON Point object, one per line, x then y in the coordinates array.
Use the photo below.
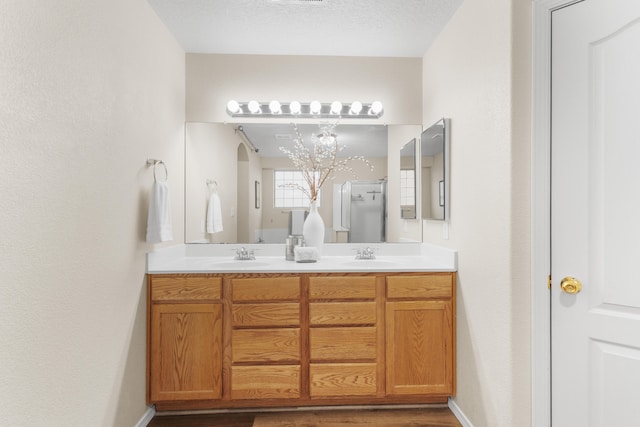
{"type": "Point", "coordinates": [571, 285]}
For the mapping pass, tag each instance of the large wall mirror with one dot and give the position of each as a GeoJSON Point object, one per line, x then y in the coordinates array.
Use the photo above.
{"type": "Point", "coordinates": [238, 163]}
{"type": "Point", "coordinates": [434, 161]}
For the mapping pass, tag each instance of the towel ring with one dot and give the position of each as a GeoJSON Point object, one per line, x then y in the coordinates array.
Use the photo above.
{"type": "Point", "coordinates": [155, 163]}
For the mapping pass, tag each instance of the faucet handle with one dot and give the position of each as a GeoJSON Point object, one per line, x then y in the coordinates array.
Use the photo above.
{"type": "Point", "coordinates": [243, 253]}
{"type": "Point", "coordinates": [365, 253]}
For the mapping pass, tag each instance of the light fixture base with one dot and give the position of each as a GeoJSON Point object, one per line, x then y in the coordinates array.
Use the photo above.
{"type": "Point", "coordinates": [371, 110]}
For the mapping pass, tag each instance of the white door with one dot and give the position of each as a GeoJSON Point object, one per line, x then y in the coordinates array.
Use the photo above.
{"type": "Point", "coordinates": [595, 230]}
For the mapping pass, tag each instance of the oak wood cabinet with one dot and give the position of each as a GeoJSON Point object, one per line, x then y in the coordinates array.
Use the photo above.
{"type": "Point", "coordinates": [280, 339]}
{"type": "Point", "coordinates": [420, 335]}
{"type": "Point", "coordinates": [343, 336]}
{"type": "Point", "coordinates": [265, 337]}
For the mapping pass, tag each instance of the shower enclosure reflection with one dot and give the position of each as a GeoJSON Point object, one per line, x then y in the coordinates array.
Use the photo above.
{"type": "Point", "coordinates": [363, 210]}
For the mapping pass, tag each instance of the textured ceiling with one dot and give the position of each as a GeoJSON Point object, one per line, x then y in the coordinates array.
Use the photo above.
{"type": "Point", "coordinates": [387, 28]}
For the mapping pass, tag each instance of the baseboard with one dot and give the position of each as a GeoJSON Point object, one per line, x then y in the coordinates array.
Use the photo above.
{"type": "Point", "coordinates": [459, 414]}
{"type": "Point", "coordinates": [147, 417]}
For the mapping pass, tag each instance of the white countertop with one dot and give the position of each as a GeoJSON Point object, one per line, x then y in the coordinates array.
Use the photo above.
{"type": "Point", "coordinates": [270, 258]}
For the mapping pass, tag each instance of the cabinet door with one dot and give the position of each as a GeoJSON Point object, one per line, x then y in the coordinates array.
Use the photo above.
{"type": "Point", "coordinates": [186, 351]}
{"type": "Point", "coordinates": [419, 337]}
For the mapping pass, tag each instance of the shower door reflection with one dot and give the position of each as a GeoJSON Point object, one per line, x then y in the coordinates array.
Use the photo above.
{"type": "Point", "coordinates": [364, 211]}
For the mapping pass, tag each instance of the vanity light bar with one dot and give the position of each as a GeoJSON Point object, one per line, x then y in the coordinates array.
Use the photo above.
{"type": "Point", "coordinates": [314, 109]}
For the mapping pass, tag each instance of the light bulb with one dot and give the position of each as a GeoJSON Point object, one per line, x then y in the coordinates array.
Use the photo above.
{"type": "Point", "coordinates": [233, 107]}
{"type": "Point", "coordinates": [274, 107]}
{"type": "Point", "coordinates": [356, 108]}
{"type": "Point", "coordinates": [376, 108]}
{"type": "Point", "coordinates": [336, 107]}
{"type": "Point", "coordinates": [295, 107]}
{"type": "Point", "coordinates": [315, 107]}
{"type": "Point", "coordinates": [254, 107]}
{"type": "Point", "coordinates": [327, 138]}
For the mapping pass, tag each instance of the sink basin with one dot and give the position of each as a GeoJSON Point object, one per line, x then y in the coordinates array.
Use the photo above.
{"type": "Point", "coordinates": [239, 264]}
{"type": "Point", "coordinates": [369, 263]}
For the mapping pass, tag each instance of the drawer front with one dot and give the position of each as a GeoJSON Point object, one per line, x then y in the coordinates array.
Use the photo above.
{"type": "Point", "coordinates": [266, 289]}
{"type": "Point", "coordinates": [276, 314]}
{"type": "Point", "coordinates": [333, 344]}
{"type": "Point", "coordinates": [266, 345]}
{"type": "Point", "coordinates": [344, 379]}
{"type": "Point", "coordinates": [342, 313]}
{"type": "Point", "coordinates": [356, 287]}
{"type": "Point", "coordinates": [265, 382]}
{"type": "Point", "coordinates": [420, 287]}
{"type": "Point", "coordinates": [185, 288]}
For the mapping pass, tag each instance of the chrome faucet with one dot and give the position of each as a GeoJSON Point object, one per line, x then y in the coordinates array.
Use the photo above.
{"type": "Point", "coordinates": [365, 253]}
{"type": "Point", "coordinates": [244, 254]}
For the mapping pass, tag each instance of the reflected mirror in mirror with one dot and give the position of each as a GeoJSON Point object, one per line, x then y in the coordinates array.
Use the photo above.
{"type": "Point", "coordinates": [408, 180]}
{"type": "Point", "coordinates": [434, 160]}
{"type": "Point", "coordinates": [243, 159]}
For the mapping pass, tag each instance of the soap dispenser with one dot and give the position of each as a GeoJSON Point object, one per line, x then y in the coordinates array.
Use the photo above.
{"type": "Point", "coordinates": [292, 241]}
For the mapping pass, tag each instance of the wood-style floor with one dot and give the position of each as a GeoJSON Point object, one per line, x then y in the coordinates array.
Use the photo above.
{"type": "Point", "coordinates": [422, 417]}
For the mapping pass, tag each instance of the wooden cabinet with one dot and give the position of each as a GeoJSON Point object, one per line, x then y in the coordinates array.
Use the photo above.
{"type": "Point", "coordinates": [247, 340]}
{"type": "Point", "coordinates": [265, 337]}
{"type": "Point", "coordinates": [184, 338]}
{"type": "Point", "coordinates": [343, 336]}
{"type": "Point", "coordinates": [420, 334]}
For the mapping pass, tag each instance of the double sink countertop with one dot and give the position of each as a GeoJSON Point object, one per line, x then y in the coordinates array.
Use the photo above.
{"type": "Point", "coordinates": [270, 258]}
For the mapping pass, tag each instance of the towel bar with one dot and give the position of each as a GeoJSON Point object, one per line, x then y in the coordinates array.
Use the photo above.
{"type": "Point", "coordinates": [154, 163]}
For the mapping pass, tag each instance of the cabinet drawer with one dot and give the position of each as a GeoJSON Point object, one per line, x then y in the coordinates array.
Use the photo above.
{"type": "Point", "coordinates": [342, 313]}
{"type": "Point", "coordinates": [276, 314]}
{"type": "Point", "coordinates": [266, 289]}
{"type": "Point", "coordinates": [344, 379]}
{"type": "Point", "coordinates": [420, 287]}
{"type": "Point", "coordinates": [355, 287]}
{"type": "Point", "coordinates": [266, 345]}
{"type": "Point", "coordinates": [355, 343]}
{"type": "Point", "coordinates": [186, 288]}
{"type": "Point", "coordinates": [265, 382]}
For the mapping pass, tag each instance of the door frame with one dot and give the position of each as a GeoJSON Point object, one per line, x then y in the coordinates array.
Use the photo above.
{"type": "Point", "coordinates": [541, 209]}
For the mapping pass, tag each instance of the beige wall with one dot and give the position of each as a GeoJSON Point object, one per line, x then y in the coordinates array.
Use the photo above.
{"type": "Point", "coordinates": [212, 80]}
{"type": "Point", "coordinates": [477, 73]}
{"type": "Point", "coordinates": [89, 91]}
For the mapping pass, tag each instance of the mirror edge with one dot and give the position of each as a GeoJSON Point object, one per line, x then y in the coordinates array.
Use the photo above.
{"type": "Point", "coordinates": [414, 155]}
{"type": "Point", "coordinates": [447, 169]}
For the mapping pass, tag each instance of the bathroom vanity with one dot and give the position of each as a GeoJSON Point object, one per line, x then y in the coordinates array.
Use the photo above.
{"type": "Point", "coordinates": [275, 333]}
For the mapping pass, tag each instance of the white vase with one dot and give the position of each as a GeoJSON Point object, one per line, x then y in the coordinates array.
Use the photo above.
{"type": "Point", "coordinates": [313, 228]}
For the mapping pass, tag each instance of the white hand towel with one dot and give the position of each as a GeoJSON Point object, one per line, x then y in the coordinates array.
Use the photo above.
{"type": "Point", "coordinates": [214, 214]}
{"type": "Point", "coordinates": [159, 219]}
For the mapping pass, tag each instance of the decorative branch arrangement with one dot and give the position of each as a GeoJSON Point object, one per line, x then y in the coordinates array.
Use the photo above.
{"type": "Point", "coordinates": [319, 161]}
